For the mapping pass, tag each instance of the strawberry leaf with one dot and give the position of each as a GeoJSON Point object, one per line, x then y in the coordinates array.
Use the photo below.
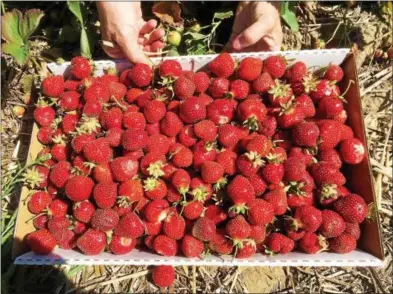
{"type": "Point", "coordinates": [10, 27]}
{"type": "Point", "coordinates": [222, 15]}
{"type": "Point", "coordinates": [19, 51]}
{"type": "Point", "coordinates": [30, 22]}
{"type": "Point", "coordinates": [289, 16]}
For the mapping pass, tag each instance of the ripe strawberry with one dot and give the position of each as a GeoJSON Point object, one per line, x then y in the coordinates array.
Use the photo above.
{"type": "Point", "coordinates": [215, 213]}
{"type": "Point", "coordinates": [246, 249]}
{"type": "Point", "coordinates": [171, 124]}
{"type": "Point", "coordinates": [278, 199]}
{"type": "Point", "coordinates": [312, 243]}
{"type": "Point", "coordinates": [273, 172]}
{"type": "Point", "coordinates": [181, 157]}
{"type": "Point", "coordinates": [110, 75]}
{"type": "Point", "coordinates": [113, 118]}
{"type": "Point", "coordinates": [153, 229]}
{"type": "Point", "coordinates": [193, 209]}
{"type": "Point", "coordinates": [133, 140]}
{"type": "Point", "coordinates": [156, 210]}
{"type": "Point", "coordinates": [250, 111]}
{"type": "Point", "coordinates": [211, 172]}
{"type": "Point", "coordinates": [72, 85]}
{"type": "Point", "coordinates": [83, 211]}
{"type": "Point", "coordinates": [44, 135]}
{"type": "Point", "coordinates": [92, 242]}
{"type": "Point", "coordinates": [133, 94]}
{"type": "Point", "coordinates": [220, 243]}
{"type": "Point", "coordinates": [41, 242]}
{"type": "Point", "coordinates": [334, 73]}
{"type": "Point", "coordinates": [352, 229]}
{"type": "Point", "coordinates": [58, 207]}
{"type": "Point", "coordinates": [60, 173]}
{"type": "Point", "coordinates": [98, 151]}
{"type": "Point", "coordinates": [154, 111]}
{"type": "Point", "coordinates": [173, 195]}
{"type": "Point", "coordinates": [192, 110]}
{"type": "Point", "coordinates": [183, 88]}
{"type": "Point", "coordinates": [227, 159]}
{"type": "Point", "coordinates": [326, 173]}
{"type": "Point", "coordinates": [268, 126]}
{"type": "Point", "coordinates": [104, 219]}
{"type": "Point", "coordinates": [291, 114]}
{"type": "Point", "coordinates": [221, 111]}
{"type": "Point", "coordinates": [191, 247]}
{"type": "Point", "coordinates": [223, 65]}
{"type": "Point", "coordinates": [352, 151]}
{"type": "Point", "coordinates": [280, 93]}
{"type": "Point", "coordinates": [283, 139]}
{"type": "Point", "coordinates": [307, 218]}
{"type": "Point", "coordinates": [342, 244]}
{"type": "Point", "coordinates": [352, 208]}
{"type": "Point", "coordinates": [79, 141]}
{"type": "Point", "coordinates": [248, 164]}
{"type": "Point", "coordinates": [296, 235]}
{"type": "Point", "coordinates": [201, 81]}
{"type": "Point", "coordinates": [69, 123]}
{"type": "Point", "coordinates": [170, 68]}
{"type": "Point", "coordinates": [130, 226]}
{"type": "Point", "coordinates": [200, 191]}
{"type": "Point", "coordinates": [258, 234]}
{"type": "Point", "coordinates": [263, 83]}
{"type": "Point", "coordinates": [204, 229]}
{"type": "Point", "coordinates": [44, 115]}
{"type": "Point", "coordinates": [59, 151]}
{"type": "Point", "coordinates": [141, 75]}
{"type": "Point", "coordinates": [305, 134]}
{"type": "Point", "coordinates": [260, 212]}
{"type": "Point", "coordinates": [331, 156]}
{"type": "Point", "coordinates": [259, 144]}
{"type": "Point", "coordinates": [228, 135]}
{"type": "Point", "coordinates": [258, 184]}
{"type": "Point", "coordinates": [123, 168]}
{"type": "Point", "coordinates": [329, 107]}
{"type": "Point", "coordinates": [181, 181]}
{"type": "Point", "coordinates": [155, 188]}
{"type": "Point", "coordinates": [296, 200]}
{"type": "Point", "coordinates": [79, 188]}
{"type": "Point", "coordinates": [239, 89]}
{"type": "Point", "coordinates": [332, 224]}
{"type": "Point", "coordinates": [275, 66]}
{"type": "Point", "coordinates": [117, 90]}
{"type": "Point", "coordinates": [240, 191]}
{"type": "Point", "coordinates": [41, 221]}
{"type": "Point", "coordinates": [296, 72]}
{"type": "Point", "coordinates": [80, 67]}
{"type": "Point", "coordinates": [53, 86]}
{"type": "Point", "coordinates": [164, 275]}
{"type": "Point", "coordinates": [131, 191]}
{"type": "Point", "coordinates": [329, 134]}
{"type": "Point", "coordinates": [219, 87]}
{"type": "Point", "coordinates": [121, 245]}
{"type": "Point", "coordinates": [174, 226]}
{"type": "Point", "coordinates": [134, 121]}
{"type": "Point", "coordinates": [38, 202]}
{"type": "Point", "coordinates": [97, 92]}
{"type": "Point", "coordinates": [153, 129]}
{"type": "Point", "coordinates": [113, 136]}
{"type": "Point", "coordinates": [278, 243]}
{"type": "Point", "coordinates": [205, 130]}
{"type": "Point", "coordinates": [187, 136]}
{"type": "Point", "coordinates": [346, 132]}
{"type": "Point", "coordinates": [306, 104]}
{"type": "Point", "coordinates": [341, 117]}
{"type": "Point", "coordinates": [249, 69]}
{"type": "Point", "coordinates": [323, 89]}
{"type": "Point", "coordinates": [102, 174]}
{"type": "Point", "coordinates": [165, 246]}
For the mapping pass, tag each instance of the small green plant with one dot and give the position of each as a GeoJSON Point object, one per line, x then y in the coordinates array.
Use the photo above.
{"type": "Point", "coordinates": [288, 15]}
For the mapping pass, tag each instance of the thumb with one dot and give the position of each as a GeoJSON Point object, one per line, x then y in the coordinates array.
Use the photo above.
{"type": "Point", "coordinates": [249, 36]}
{"type": "Point", "coordinates": [132, 51]}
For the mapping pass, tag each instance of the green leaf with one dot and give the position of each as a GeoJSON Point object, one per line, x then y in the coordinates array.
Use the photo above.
{"type": "Point", "coordinates": [223, 15]}
{"type": "Point", "coordinates": [86, 49]}
{"type": "Point", "coordinates": [19, 51]}
{"type": "Point", "coordinates": [30, 22]}
{"type": "Point", "coordinates": [289, 16]}
{"type": "Point", "coordinates": [195, 36]}
{"type": "Point", "coordinates": [74, 270]}
{"type": "Point", "coordinates": [75, 8]}
{"type": "Point", "coordinates": [10, 24]}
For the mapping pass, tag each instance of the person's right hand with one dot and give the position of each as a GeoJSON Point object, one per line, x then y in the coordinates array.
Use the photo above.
{"type": "Point", "coordinates": [122, 24]}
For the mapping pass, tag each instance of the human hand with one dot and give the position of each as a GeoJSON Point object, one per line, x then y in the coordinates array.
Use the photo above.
{"type": "Point", "coordinates": [257, 27]}
{"type": "Point", "coordinates": [122, 24]}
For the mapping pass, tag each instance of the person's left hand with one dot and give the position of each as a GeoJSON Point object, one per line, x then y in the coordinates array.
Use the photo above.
{"type": "Point", "coordinates": [257, 27]}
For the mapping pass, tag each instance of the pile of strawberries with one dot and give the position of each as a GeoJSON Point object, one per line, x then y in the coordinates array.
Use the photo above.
{"type": "Point", "coordinates": [244, 157]}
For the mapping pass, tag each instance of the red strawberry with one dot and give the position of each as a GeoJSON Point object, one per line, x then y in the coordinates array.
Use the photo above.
{"type": "Point", "coordinates": [134, 121]}
{"type": "Point", "coordinates": [44, 115]}
{"type": "Point", "coordinates": [201, 191]}
{"type": "Point", "coordinates": [290, 115]}
{"type": "Point", "coordinates": [258, 234]}
{"type": "Point", "coordinates": [157, 143]}
{"type": "Point", "coordinates": [296, 72]}
{"type": "Point", "coordinates": [341, 117]}
{"type": "Point", "coordinates": [153, 229]}
{"type": "Point", "coordinates": [41, 242]}
{"type": "Point", "coordinates": [123, 168]}
{"type": "Point", "coordinates": [113, 118]}
{"type": "Point", "coordinates": [154, 111]}
{"type": "Point", "coordinates": [80, 67]}
{"type": "Point", "coordinates": [268, 126]}
{"type": "Point", "coordinates": [79, 188]}
{"type": "Point", "coordinates": [152, 164]}
{"type": "Point", "coordinates": [92, 242]}
{"type": "Point", "coordinates": [298, 200]}
{"type": "Point", "coordinates": [155, 188]}
{"type": "Point", "coordinates": [329, 107]}
{"type": "Point", "coordinates": [165, 246]}
{"type": "Point", "coordinates": [228, 135]}
{"type": "Point", "coordinates": [110, 75]}
{"type": "Point", "coordinates": [332, 224]}
{"type": "Point", "coordinates": [219, 87]}
{"type": "Point", "coordinates": [104, 219]}
{"type": "Point", "coordinates": [181, 181]}
{"type": "Point", "coordinates": [280, 93]}
{"type": "Point", "coordinates": [53, 86]}
{"type": "Point", "coordinates": [79, 142]}
{"type": "Point", "coordinates": [191, 247]}
{"type": "Point", "coordinates": [170, 68]}
{"type": "Point", "coordinates": [227, 159]}
{"type": "Point", "coordinates": [129, 226]}
{"type": "Point", "coordinates": [223, 65]}
{"type": "Point", "coordinates": [352, 229]}
{"type": "Point", "coordinates": [187, 136]}
{"type": "Point", "coordinates": [141, 75]}
{"type": "Point", "coordinates": [246, 249]}
{"type": "Point", "coordinates": [153, 129]}
{"type": "Point", "coordinates": [72, 85]}
{"type": "Point", "coordinates": [206, 99]}
{"type": "Point", "coordinates": [240, 191]}
{"type": "Point", "coordinates": [250, 112]}
{"type": "Point", "coordinates": [83, 211]}
{"type": "Point", "coordinates": [331, 156]}
{"type": "Point", "coordinates": [163, 275]}
{"type": "Point", "coordinates": [258, 184]}
{"type": "Point", "coordinates": [181, 157]}
{"type": "Point", "coordinates": [102, 174]}
{"type": "Point", "coordinates": [156, 210]}
{"type": "Point", "coordinates": [307, 218]}
{"type": "Point", "coordinates": [113, 136]}
{"type": "Point", "coordinates": [215, 213]}
{"type": "Point", "coordinates": [97, 92]}
{"type": "Point", "coordinates": [312, 243]}
{"type": "Point", "coordinates": [263, 83]}
{"type": "Point", "coordinates": [131, 191]}
{"type": "Point", "coordinates": [41, 221]}
{"type": "Point", "coordinates": [352, 151]}
{"type": "Point", "coordinates": [38, 202]}
{"type": "Point", "coordinates": [329, 134]}
{"type": "Point", "coordinates": [260, 212]}
{"type": "Point", "coordinates": [174, 226]}
{"type": "Point", "coordinates": [323, 89]}
{"type": "Point", "coordinates": [346, 132]}
{"type": "Point", "coordinates": [326, 173]}
{"type": "Point", "coordinates": [117, 90]}
{"type": "Point", "coordinates": [205, 130]}
{"type": "Point", "coordinates": [278, 199]}
{"type": "Point", "coordinates": [305, 134]}
{"type": "Point", "coordinates": [193, 209]}
{"type": "Point", "coordinates": [278, 243]}
{"type": "Point", "coordinates": [60, 173]}
{"type": "Point", "coordinates": [58, 207]}
{"type": "Point", "coordinates": [211, 172]}
{"type": "Point", "coordinates": [306, 104]}
{"type": "Point", "coordinates": [273, 172]}
{"type": "Point", "coordinates": [133, 140]}
{"type": "Point", "coordinates": [221, 111]}
{"type": "Point", "coordinates": [201, 81]}
{"type": "Point", "coordinates": [352, 208]}
{"type": "Point", "coordinates": [98, 151]}
{"type": "Point", "coordinates": [183, 88]}
{"type": "Point", "coordinates": [220, 243]}
{"type": "Point", "coordinates": [239, 89]}
{"type": "Point", "coordinates": [173, 195]}
{"type": "Point", "coordinates": [275, 66]}
{"type": "Point", "coordinates": [44, 135]}
{"type": "Point", "coordinates": [132, 94]}
{"type": "Point", "coordinates": [69, 123]}
{"type": "Point", "coordinates": [283, 139]}
{"type": "Point", "coordinates": [192, 110]}
{"type": "Point", "coordinates": [171, 124]}
{"type": "Point", "coordinates": [121, 245]}
{"type": "Point", "coordinates": [105, 195]}
{"type": "Point", "coordinates": [204, 229]}
{"type": "Point", "coordinates": [334, 73]}
{"type": "Point", "coordinates": [342, 244]}
{"type": "Point", "coordinates": [259, 144]}
{"type": "Point", "coordinates": [249, 68]}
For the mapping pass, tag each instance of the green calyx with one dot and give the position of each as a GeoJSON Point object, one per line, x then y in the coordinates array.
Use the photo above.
{"type": "Point", "coordinates": [255, 158]}
{"type": "Point", "coordinates": [329, 191]}
{"type": "Point", "coordinates": [279, 89]}
{"type": "Point", "coordinates": [251, 123]}
{"type": "Point", "coordinates": [155, 169]}
{"type": "Point", "coordinates": [150, 184]}
{"type": "Point", "coordinates": [239, 209]}
{"type": "Point", "coordinates": [33, 178]}
{"type": "Point", "coordinates": [296, 188]}
{"type": "Point", "coordinates": [199, 194]}
{"type": "Point", "coordinates": [220, 184]}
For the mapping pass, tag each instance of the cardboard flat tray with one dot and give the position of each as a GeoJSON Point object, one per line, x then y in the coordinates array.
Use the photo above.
{"type": "Point", "coordinates": [359, 180]}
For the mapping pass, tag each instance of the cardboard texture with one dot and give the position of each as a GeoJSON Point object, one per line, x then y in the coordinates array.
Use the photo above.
{"type": "Point", "coordinates": [359, 180]}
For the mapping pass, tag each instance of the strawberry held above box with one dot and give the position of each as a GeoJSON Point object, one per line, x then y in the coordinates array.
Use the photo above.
{"type": "Point", "coordinates": [255, 158]}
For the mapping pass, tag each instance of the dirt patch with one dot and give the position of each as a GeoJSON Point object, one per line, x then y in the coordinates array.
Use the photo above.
{"type": "Point", "coordinates": [263, 279]}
